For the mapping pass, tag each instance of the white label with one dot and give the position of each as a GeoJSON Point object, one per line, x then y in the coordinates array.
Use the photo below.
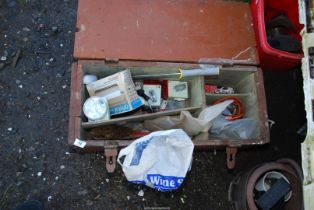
{"type": "Point", "coordinates": [302, 12]}
{"type": "Point", "coordinates": [79, 143]}
{"type": "Point", "coordinates": [163, 104]}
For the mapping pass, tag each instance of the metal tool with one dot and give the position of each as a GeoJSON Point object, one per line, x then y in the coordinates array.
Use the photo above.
{"type": "Point", "coordinates": [209, 71]}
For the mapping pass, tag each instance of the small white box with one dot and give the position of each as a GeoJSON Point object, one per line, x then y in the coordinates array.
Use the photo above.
{"type": "Point", "coordinates": [154, 93]}
{"type": "Point", "coordinates": [178, 89]}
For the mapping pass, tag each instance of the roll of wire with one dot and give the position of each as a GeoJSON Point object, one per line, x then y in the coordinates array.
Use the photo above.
{"type": "Point", "coordinates": [238, 110]}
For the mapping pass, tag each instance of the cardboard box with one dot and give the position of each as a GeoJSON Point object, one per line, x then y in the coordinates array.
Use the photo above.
{"type": "Point", "coordinates": [119, 90]}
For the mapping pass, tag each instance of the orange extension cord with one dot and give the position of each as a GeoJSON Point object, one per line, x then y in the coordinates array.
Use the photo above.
{"type": "Point", "coordinates": [239, 113]}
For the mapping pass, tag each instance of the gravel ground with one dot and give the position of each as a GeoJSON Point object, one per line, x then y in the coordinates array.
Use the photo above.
{"type": "Point", "coordinates": [34, 99]}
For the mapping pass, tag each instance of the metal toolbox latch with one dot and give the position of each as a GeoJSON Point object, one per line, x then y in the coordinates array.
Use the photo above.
{"type": "Point", "coordinates": [231, 156]}
{"type": "Point", "coordinates": [111, 152]}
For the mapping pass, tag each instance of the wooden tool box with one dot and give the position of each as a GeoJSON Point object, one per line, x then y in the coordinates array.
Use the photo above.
{"type": "Point", "coordinates": [150, 36]}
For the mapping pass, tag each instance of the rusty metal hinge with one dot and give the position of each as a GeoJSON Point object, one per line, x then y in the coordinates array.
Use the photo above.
{"type": "Point", "coordinates": [231, 156]}
{"type": "Point", "coordinates": [111, 152]}
{"type": "Point", "coordinates": [111, 60]}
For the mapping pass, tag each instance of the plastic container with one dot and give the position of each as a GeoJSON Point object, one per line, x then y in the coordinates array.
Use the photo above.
{"type": "Point", "coordinates": [96, 108]}
{"type": "Point", "coordinates": [264, 185]}
{"type": "Point", "coordinates": [263, 11]}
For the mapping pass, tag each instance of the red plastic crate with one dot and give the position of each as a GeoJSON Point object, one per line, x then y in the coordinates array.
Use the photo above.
{"type": "Point", "coordinates": [271, 58]}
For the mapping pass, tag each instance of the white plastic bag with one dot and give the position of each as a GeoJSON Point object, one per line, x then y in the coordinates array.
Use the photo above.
{"type": "Point", "coordinates": [191, 125]}
{"type": "Point", "coordinates": [245, 128]}
{"type": "Point", "coordinates": [159, 160]}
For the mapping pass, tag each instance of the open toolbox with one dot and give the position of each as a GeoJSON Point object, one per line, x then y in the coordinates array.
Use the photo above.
{"type": "Point", "coordinates": [150, 37]}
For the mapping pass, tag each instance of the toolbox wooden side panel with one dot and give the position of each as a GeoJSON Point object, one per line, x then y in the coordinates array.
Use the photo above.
{"type": "Point", "coordinates": [262, 111]}
{"type": "Point", "coordinates": [75, 103]}
{"type": "Point", "coordinates": [71, 108]}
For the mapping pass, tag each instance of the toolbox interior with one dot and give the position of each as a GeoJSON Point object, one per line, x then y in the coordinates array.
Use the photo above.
{"type": "Point", "coordinates": [243, 83]}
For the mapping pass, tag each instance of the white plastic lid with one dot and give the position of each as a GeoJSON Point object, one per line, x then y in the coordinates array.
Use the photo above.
{"type": "Point", "coordinates": [95, 107]}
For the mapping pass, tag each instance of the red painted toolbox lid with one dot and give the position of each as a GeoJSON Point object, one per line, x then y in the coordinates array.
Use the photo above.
{"type": "Point", "coordinates": [173, 30]}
